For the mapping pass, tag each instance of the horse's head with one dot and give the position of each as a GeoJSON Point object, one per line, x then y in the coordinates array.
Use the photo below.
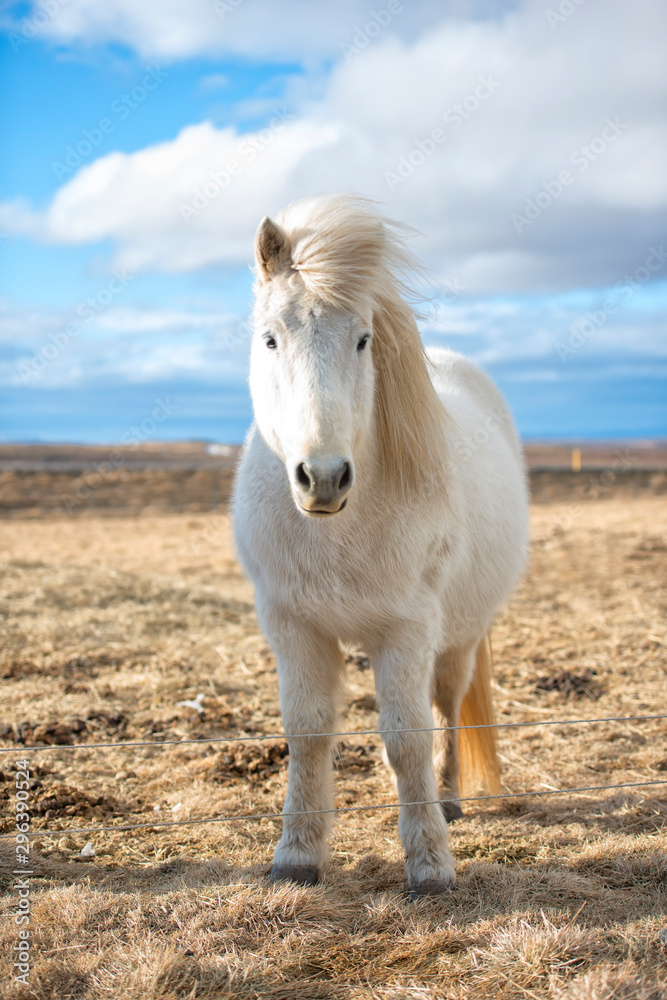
{"type": "Point", "coordinates": [311, 378]}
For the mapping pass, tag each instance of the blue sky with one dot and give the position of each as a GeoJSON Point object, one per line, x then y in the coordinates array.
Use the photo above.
{"type": "Point", "coordinates": [527, 146]}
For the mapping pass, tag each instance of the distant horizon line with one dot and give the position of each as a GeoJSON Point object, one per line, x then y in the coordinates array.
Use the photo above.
{"type": "Point", "coordinates": [639, 441]}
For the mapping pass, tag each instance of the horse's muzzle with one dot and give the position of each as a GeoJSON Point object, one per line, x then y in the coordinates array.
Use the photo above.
{"type": "Point", "coordinates": [321, 485]}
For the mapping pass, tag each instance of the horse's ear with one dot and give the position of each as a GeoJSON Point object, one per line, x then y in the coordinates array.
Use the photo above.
{"type": "Point", "coordinates": [272, 248]}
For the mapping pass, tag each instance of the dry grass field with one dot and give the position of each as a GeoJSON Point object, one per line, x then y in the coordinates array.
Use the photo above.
{"type": "Point", "coordinates": [109, 623]}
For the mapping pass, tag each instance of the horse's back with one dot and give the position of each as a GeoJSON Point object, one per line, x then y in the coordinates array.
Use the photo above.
{"type": "Point", "coordinates": [488, 486]}
{"type": "Point", "coordinates": [471, 398]}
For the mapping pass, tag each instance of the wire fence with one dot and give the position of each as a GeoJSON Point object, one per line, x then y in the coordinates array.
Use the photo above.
{"type": "Point", "coordinates": [120, 745]}
{"type": "Point", "coordinates": [243, 817]}
{"type": "Point", "coordinates": [247, 817]}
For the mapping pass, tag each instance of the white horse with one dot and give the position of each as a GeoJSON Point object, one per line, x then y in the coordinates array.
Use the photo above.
{"type": "Point", "coordinates": [380, 502]}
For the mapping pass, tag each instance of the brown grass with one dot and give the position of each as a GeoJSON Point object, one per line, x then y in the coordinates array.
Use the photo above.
{"type": "Point", "coordinates": [111, 622]}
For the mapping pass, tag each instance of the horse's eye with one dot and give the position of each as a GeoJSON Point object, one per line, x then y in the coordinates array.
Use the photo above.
{"type": "Point", "coordinates": [362, 343]}
{"type": "Point", "coordinates": [270, 341]}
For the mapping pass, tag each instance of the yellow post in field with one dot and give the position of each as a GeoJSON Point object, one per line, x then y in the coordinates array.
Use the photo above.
{"type": "Point", "coordinates": [576, 459]}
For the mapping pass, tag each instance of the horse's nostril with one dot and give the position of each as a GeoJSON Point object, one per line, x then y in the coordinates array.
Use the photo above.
{"type": "Point", "coordinates": [302, 476]}
{"type": "Point", "coordinates": [346, 476]}
{"type": "Point", "coordinates": [324, 478]}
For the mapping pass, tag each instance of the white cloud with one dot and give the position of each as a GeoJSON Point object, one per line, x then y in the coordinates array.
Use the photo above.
{"type": "Point", "coordinates": [516, 102]}
{"type": "Point", "coordinates": [178, 205]}
{"type": "Point", "coordinates": [299, 29]}
{"type": "Point", "coordinates": [19, 325]}
{"type": "Point", "coordinates": [120, 343]}
{"type": "Point", "coordinates": [518, 337]}
{"type": "Point", "coordinates": [134, 320]}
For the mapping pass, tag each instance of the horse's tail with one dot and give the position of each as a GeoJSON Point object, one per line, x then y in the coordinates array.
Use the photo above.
{"type": "Point", "coordinates": [480, 767]}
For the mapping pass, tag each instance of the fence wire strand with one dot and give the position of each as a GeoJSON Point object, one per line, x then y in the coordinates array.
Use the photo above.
{"type": "Point", "coordinates": [120, 745]}
{"type": "Point", "coordinates": [124, 827]}
{"type": "Point", "coordinates": [162, 824]}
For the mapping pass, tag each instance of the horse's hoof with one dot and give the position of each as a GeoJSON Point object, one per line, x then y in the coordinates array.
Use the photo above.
{"type": "Point", "coordinates": [298, 874]}
{"type": "Point", "coordinates": [431, 887]}
{"type": "Point", "coordinates": [452, 810]}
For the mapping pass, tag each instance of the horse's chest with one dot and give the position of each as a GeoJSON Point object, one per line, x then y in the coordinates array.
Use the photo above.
{"type": "Point", "coordinates": [355, 584]}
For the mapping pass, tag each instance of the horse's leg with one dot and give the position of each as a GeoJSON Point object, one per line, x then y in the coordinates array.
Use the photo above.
{"type": "Point", "coordinates": [310, 670]}
{"type": "Point", "coordinates": [453, 670]}
{"type": "Point", "coordinates": [403, 691]}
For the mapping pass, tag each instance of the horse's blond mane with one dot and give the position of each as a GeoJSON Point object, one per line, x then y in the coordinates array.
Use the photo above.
{"type": "Point", "coordinates": [350, 257]}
